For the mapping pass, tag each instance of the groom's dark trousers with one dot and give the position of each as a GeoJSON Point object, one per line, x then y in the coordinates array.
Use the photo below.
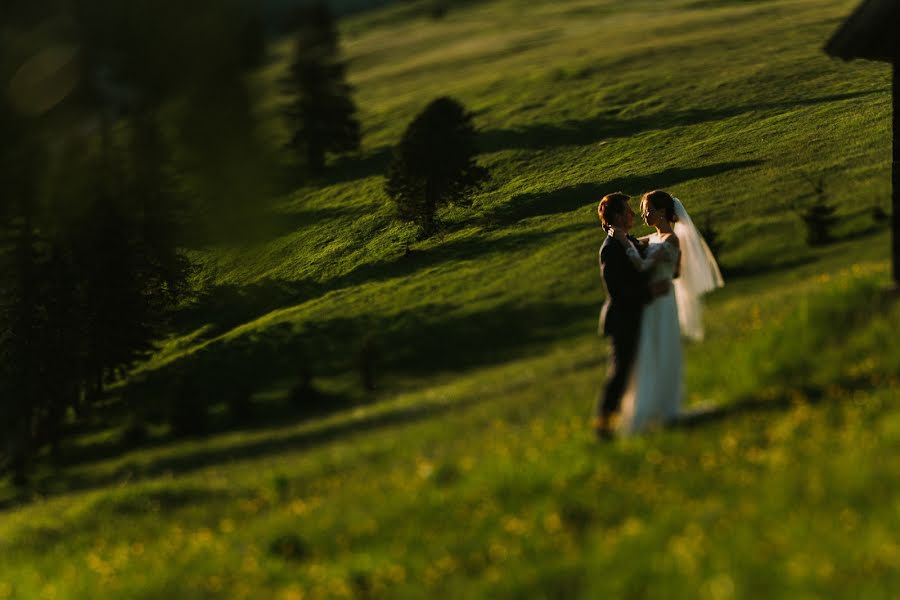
{"type": "Point", "coordinates": [620, 319]}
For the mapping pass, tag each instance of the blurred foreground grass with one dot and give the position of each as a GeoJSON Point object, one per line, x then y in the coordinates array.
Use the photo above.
{"type": "Point", "coordinates": [491, 486]}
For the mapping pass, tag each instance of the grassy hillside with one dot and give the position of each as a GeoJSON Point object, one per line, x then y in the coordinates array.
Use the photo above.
{"type": "Point", "coordinates": [471, 471]}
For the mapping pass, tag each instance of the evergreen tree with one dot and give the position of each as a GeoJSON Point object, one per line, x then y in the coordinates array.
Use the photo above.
{"type": "Point", "coordinates": [819, 216]}
{"type": "Point", "coordinates": [119, 315]}
{"type": "Point", "coordinates": [90, 224]}
{"type": "Point", "coordinates": [321, 116]}
{"type": "Point", "coordinates": [61, 344]}
{"type": "Point", "coordinates": [434, 164]}
{"type": "Point", "coordinates": [40, 342]}
{"type": "Point", "coordinates": [164, 266]}
{"type": "Point", "coordinates": [20, 369]}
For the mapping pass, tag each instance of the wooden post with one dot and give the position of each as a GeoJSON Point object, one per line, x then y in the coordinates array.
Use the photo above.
{"type": "Point", "coordinates": [895, 180]}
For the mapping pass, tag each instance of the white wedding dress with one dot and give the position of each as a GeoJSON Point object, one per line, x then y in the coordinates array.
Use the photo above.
{"type": "Point", "coordinates": [653, 394]}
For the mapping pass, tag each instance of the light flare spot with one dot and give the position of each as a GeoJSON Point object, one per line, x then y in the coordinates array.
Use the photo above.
{"type": "Point", "coordinates": [45, 80]}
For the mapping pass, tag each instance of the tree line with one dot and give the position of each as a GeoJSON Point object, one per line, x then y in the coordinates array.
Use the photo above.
{"type": "Point", "coordinates": [125, 125]}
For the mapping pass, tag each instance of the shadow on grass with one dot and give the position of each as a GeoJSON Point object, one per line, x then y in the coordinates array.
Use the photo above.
{"type": "Point", "coordinates": [223, 307]}
{"type": "Point", "coordinates": [354, 167]}
{"type": "Point", "coordinates": [808, 394]}
{"type": "Point", "coordinates": [764, 267]}
{"type": "Point", "coordinates": [700, 416]}
{"type": "Point", "coordinates": [786, 399]}
{"type": "Point", "coordinates": [807, 255]}
{"type": "Point", "coordinates": [431, 338]}
{"type": "Point", "coordinates": [525, 206]}
{"type": "Point", "coordinates": [194, 460]}
{"type": "Point", "coordinates": [574, 132]}
{"type": "Point", "coordinates": [435, 338]}
{"type": "Point", "coordinates": [607, 125]}
{"type": "Point", "coordinates": [252, 226]}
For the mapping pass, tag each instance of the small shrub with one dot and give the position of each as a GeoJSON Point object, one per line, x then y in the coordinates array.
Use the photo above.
{"type": "Point", "coordinates": [819, 217]}
{"type": "Point", "coordinates": [820, 220]}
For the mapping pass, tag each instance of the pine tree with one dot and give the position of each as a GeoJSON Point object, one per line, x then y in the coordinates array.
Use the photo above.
{"type": "Point", "coordinates": [61, 344]}
{"type": "Point", "coordinates": [117, 314]}
{"type": "Point", "coordinates": [90, 228]}
{"type": "Point", "coordinates": [434, 164]}
{"type": "Point", "coordinates": [321, 116]}
{"type": "Point", "coordinates": [164, 266]}
{"type": "Point", "coordinates": [20, 369]}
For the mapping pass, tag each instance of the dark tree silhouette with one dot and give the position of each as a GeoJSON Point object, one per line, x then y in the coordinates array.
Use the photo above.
{"type": "Point", "coordinates": [163, 264]}
{"type": "Point", "coordinates": [40, 343]}
{"type": "Point", "coordinates": [819, 216]}
{"type": "Point", "coordinates": [20, 369]}
{"type": "Point", "coordinates": [90, 225]}
{"type": "Point", "coordinates": [120, 318]}
{"type": "Point", "coordinates": [20, 357]}
{"type": "Point", "coordinates": [434, 164]}
{"type": "Point", "coordinates": [321, 116]}
{"type": "Point", "coordinates": [64, 343]}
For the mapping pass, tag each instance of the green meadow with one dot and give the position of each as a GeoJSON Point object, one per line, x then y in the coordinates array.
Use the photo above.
{"type": "Point", "coordinates": [471, 471]}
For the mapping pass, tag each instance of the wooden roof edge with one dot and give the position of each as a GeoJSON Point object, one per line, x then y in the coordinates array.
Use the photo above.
{"type": "Point", "coordinates": [865, 33]}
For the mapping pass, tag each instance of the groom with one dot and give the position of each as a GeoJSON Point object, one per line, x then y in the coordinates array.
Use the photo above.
{"type": "Point", "coordinates": [627, 291]}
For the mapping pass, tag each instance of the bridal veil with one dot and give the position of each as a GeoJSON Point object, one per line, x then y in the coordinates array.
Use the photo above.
{"type": "Point", "coordinates": [699, 274]}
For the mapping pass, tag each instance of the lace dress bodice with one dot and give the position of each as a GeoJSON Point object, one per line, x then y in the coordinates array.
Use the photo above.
{"type": "Point", "coordinates": [661, 261]}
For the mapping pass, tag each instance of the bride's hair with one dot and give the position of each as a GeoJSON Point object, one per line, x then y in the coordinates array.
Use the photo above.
{"type": "Point", "coordinates": [662, 201]}
{"type": "Point", "coordinates": [612, 206]}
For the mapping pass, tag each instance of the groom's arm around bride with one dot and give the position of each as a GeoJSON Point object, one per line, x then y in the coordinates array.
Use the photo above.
{"type": "Point", "coordinates": [627, 291]}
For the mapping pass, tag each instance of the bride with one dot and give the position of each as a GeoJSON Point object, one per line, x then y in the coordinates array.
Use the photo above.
{"type": "Point", "coordinates": [676, 253]}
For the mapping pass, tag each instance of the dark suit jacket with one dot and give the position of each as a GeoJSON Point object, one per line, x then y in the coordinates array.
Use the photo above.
{"type": "Point", "coordinates": [626, 290]}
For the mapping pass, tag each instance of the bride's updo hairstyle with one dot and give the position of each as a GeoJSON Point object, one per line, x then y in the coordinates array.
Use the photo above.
{"type": "Point", "coordinates": [611, 207]}
{"type": "Point", "coordinates": [661, 200]}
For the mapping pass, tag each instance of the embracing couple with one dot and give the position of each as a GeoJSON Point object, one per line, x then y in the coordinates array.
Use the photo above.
{"type": "Point", "coordinates": [653, 289]}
